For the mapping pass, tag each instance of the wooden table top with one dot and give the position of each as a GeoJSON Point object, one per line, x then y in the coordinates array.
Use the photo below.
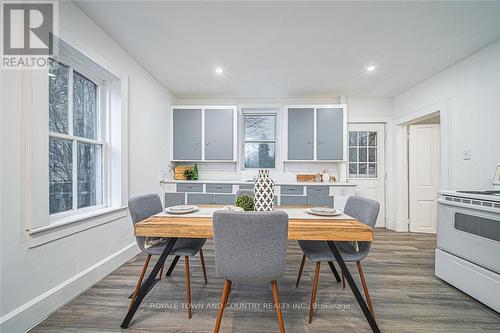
{"type": "Point", "coordinates": [301, 225]}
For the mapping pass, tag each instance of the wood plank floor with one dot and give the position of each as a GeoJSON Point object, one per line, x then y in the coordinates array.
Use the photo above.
{"type": "Point", "coordinates": [399, 271]}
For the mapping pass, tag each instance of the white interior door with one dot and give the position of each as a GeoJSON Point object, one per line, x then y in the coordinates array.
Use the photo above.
{"type": "Point", "coordinates": [423, 165]}
{"type": "Point", "coordinates": [366, 166]}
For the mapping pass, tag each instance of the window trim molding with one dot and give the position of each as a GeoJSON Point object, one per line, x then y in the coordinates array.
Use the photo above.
{"type": "Point", "coordinates": [35, 191]}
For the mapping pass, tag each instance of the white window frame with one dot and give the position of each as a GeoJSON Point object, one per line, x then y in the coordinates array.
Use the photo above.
{"type": "Point", "coordinates": [100, 141]}
{"type": "Point", "coordinates": [259, 112]}
{"type": "Point", "coordinates": [41, 227]}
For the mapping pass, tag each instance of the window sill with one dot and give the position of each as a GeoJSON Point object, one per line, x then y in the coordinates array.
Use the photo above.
{"type": "Point", "coordinates": [71, 225]}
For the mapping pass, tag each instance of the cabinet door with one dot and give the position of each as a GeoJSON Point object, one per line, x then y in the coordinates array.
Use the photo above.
{"type": "Point", "coordinates": [187, 134]}
{"type": "Point", "coordinates": [219, 131]}
{"type": "Point", "coordinates": [330, 133]}
{"type": "Point", "coordinates": [300, 133]}
{"type": "Point", "coordinates": [224, 199]}
{"type": "Point", "coordinates": [174, 199]}
{"type": "Point", "coordinates": [293, 200]}
{"type": "Point", "coordinates": [199, 199]}
{"type": "Point", "coordinates": [320, 200]}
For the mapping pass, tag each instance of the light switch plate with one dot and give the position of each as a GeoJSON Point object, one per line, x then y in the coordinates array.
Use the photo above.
{"type": "Point", "coordinates": [467, 154]}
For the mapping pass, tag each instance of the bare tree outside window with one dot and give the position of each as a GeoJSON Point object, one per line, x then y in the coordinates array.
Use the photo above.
{"type": "Point", "coordinates": [75, 152]}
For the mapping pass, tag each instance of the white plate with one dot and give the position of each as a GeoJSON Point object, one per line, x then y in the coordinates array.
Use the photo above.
{"type": "Point", "coordinates": [181, 211]}
{"type": "Point", "coordinates": [324, 213]}
{"type": "Point", "coordinates": [323, 210]}
{"type": "Point", "coordinates": [181, 207]}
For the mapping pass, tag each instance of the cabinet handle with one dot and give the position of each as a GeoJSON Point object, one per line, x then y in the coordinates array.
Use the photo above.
{"type": "Point", "coordinates": [309, 142]}
{"type": "Point", "coordinates": [207, 143]}
{"type": "Point", "coordinates": [197, 142]}
{"type": "Point", "coordinates": [320, 142]}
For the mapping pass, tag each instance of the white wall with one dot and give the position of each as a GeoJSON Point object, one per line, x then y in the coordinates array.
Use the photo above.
{"type": "Point", "coordinates": [358, 109]}
{"type": "Point", "coordinates": [36, 281]}
{"type": "Point", "coordinates": [468, 95]}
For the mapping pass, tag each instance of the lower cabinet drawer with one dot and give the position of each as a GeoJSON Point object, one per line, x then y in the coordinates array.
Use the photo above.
{"type": "Point", "coordinates": [246, 187]}
{"type": "Point", "coordinates": [174, 199]}
{"type": "Point", "coordinates": [292, 189]}
{"type": "Point", "coordinates": [224, 199]}
{"type": "Point", "coordinates": [219, 188]}
{"type": "Point", "coordinates": [320, 200]}
{"type": "Point", "coordinates": [318, 190]}
{"type": "Point", "coordinates": [184, 187]}
{"type": "Point", "coordinates": [199, 198]}
{"type": "Point", "coordinates": [293, 200]}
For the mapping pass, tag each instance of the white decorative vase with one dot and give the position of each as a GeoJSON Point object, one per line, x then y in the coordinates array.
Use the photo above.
{"type": "Point", "coordinates": [263, 192]}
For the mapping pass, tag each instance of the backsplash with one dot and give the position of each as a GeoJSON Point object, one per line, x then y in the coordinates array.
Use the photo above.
{"type": "Point", "coordinates": [284, 172]}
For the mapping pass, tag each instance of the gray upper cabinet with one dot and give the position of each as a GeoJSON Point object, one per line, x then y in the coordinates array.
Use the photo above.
{"type": "Point", "coordinates": [301, 133]}
{"type": "Point", "coordinates": [187, 134]}
{"type": "Point", "coordinates": [219, 134]}
{"type": "Point", "coordinates": [330, 135]}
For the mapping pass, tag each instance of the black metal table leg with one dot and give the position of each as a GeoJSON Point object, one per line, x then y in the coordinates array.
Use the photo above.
{"type": "Point", "coordinates": [334, 271]}
{"type": "Point", "coordinates": [172, 266]}
{"type": "Point", "coordinates": [143, 291]}
{"type": "Point", "coordinates": [354, 288]}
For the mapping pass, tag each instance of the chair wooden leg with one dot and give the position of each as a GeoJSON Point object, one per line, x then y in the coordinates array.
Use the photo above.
{"type": "Point", "coordinates": [300, 270]}
{"type": "Point", "coordinates": [139, 282]}
{"type": "Point", "coordinates": [223, 302]}
{"type": "Point", "coordinates": [314, 291]}
{"type": "Point", "coordinates": [343, 280]}
{"type": "Point", "coordinates": [277, 304]}
{"type": "Point", "coordinates": [188, 286]}
{"type": "Point", "coordinates": [202, 259]}
{"type": "Point", "coordinates": [161, 271]}
{"type": "Point", "coordinates": [365, 288]}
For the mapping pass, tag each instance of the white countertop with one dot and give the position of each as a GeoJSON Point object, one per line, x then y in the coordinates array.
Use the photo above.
{"type": "Point", "coordinates": [242, 182]}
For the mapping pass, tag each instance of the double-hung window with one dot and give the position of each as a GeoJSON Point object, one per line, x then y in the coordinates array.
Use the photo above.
{"type": "Point", "coordinates": [76, 141]}
{"type": "Point", "coordinates": [259, 142]}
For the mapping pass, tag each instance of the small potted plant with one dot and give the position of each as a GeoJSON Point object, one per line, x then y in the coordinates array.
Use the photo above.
{"type": "Point", "coordinates": [245, 202]}
{"type": "Point", "coordinates": [189, 173]}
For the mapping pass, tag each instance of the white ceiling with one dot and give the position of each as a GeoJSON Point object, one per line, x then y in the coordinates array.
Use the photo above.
{"type": "Point", "coordinates": [296, 49]}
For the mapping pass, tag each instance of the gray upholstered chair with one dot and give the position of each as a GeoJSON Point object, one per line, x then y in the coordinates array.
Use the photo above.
{"type": "Point", "coordinates": [144, 206]}
{"type": "Point", "coordinates": [239, 193]}
{"type": "Point", "coordinates": [365, 211]}
{"type": "Point", "coordinates": [250, 247]}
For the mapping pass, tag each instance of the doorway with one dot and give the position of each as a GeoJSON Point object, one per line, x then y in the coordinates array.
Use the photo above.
{"type": "Point", "coordinates": [366, 167]}
{"type": "Point", "coordinates": [423, 170]}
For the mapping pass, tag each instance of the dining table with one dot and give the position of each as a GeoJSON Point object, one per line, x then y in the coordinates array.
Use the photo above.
{"type": "Point", "coordinates": [301, 226]}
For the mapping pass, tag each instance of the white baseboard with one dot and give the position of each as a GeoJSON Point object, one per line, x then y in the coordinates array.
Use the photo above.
{"type": "Point", "coordinates": [31, 313]}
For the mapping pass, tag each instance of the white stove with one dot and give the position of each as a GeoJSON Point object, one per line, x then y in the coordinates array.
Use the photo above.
{"type": "Point", "coordinates": [468, 243]}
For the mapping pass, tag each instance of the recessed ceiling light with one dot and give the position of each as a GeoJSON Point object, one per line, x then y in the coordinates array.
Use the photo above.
{"type": "Point", "coordinates": [370, 68]}
{"type": "Point", "coordinates": [219, 70]}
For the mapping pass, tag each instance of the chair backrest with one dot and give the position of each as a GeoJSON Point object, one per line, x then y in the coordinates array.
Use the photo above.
{"type": "Point", "coordinates": [364, 210]}
{"type": "Point", "coordinates": [141, 207]}
{"type": "Point", "coordinates": [250, 246]}
{"type": "Point", "coordinates": [239, 193]}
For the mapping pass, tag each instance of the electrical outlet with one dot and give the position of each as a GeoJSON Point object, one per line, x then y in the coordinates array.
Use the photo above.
{"type": "Point", "coordinates": [467, 154]}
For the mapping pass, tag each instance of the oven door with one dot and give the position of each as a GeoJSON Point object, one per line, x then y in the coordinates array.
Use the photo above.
{"type": "Point", "coordinates": [472, 233]}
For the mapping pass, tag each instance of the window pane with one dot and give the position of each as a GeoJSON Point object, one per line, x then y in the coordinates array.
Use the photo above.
{"type": "Point", "coordinates": [60, 176]}
{"type": "Point", "coordinates": [259, 127]}
{"type": "Point", "coordinates": [89, 175]}
{"type": "Point", "coordinates": [353, 154]}
{"type": "Point", "coordinates": [259, 155]}
{"type": "Point", "coordinates": [362, 170]}
{"type": "Point", "coordinates": [372, 139]}
{"type": "Point", "coordinates": [372, 170]}
{"type": "Point", "coordinates": [363, 138]}
{"type": "Point", "coordinates": [84, 107]}
{"type": "Point", "coordinates": [372, 154]}
{"type": "Point", "coordinates": [353, 170]}
{"type": "Point", "coordinates": [353, 139]}
{"type": "Point", "coordinates": [362, 154]}
{"type": "Point", "coordinates": [58, 97]}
